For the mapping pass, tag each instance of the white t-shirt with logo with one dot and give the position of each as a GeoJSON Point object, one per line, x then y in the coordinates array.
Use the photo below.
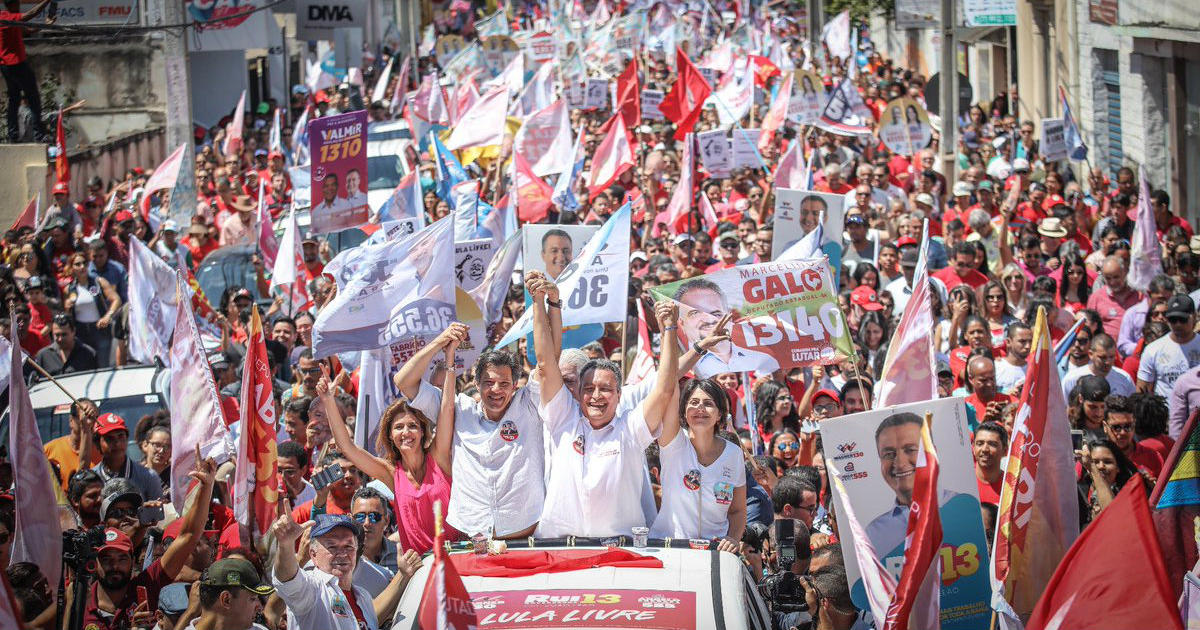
{"type": "Point", "coordinates": [596, 476]}
{"type": "Point", "coordinates": [696, 498]}
{"type": "Point", "coordinates": [1164, 360]}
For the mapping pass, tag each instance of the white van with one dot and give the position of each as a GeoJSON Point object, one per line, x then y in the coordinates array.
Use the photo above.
{"type": "Point", "coordinates": [695, 589]}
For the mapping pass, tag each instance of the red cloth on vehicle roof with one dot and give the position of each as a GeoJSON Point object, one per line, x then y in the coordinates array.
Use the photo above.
{"type": "Point", "coordinates": [522, 563]}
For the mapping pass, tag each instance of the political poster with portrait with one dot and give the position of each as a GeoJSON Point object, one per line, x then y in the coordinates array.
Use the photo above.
{"type": "Point", "coordinates": [808, 97]}
{"type": "Point", "coordinates": [797, 213]}
{"type": "Point", "coordinates": [448, 47]}
{"type": "Point", "coordinates": [874, 454]}
{"type": "Point", "coordinates": [338, 146]}
{"type": "Point", "coordinates": [715, 152]}
{"type": "Point", "coordinates": [498, 52]}
{"type": "Point", "coordinates": [784, 315]}
{"type": "Point", "coordinates": [551, 249]}
{"type": "Point", "coordinates": [904, 126]}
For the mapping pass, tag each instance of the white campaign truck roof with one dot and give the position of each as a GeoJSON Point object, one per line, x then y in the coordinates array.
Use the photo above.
{"type": "Point", "coordinates": [695, 588]}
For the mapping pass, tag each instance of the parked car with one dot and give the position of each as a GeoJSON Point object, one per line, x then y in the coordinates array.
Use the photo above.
{"type": "Point", "coordinates": [388, 130]}
{"type": "Point", "coordinates": [387, 164]}
{"type": "Point", "coordinates": [695, 588]}
{"type": "Point", "coordinates": [130, 391]}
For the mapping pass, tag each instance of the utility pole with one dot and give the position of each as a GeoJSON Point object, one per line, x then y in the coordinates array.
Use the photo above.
{"type": "Point", "coordinates": [949, 90]}
{"type": "Point", "coordinates": [816, 21]}
{"type": "Point", "coordinates": [179, 106]}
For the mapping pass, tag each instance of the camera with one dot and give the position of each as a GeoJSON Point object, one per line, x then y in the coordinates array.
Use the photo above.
{"type": "Point", "coordinates": [79, 547]}
{"type": "Point", "coordinates": [785, 597]}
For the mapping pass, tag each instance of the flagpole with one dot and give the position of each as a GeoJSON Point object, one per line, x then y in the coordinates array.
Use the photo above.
{"type": "Point", "coordinates": [43, 372]}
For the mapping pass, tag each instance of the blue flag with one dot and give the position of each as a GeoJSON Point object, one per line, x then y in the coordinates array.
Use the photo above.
{"type": "Point", "coordinates": [1076, 149]}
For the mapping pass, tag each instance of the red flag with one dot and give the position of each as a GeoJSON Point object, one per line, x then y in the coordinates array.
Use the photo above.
{"type": "Point", "coordinates": [1038, 519]}
{"type": "Point", "coordinates": [683, 103]}
{"type": "Point", "coordinates": [62, 168]}
{"type": "Point", "coordinates": [256, 482]}
{"type": "Point", "coordinates": [642, 366]}
{"type": "Point", "coordinates": [613, 156]}
{"type": "Point", "coordinates": [763, 70]}
{"type": "Point", "coordinates": [533, 194]}
{"type": "Point", "coordinates": [629, 96]}
{"type": "Point", "coordinates": [921, 545]}
{"type": "Point", "coordinates": [445, 604]}
{"type": "Point", "coordinates": [29, 216]}
{"type": "Point", "coordinates": [1113, 576]}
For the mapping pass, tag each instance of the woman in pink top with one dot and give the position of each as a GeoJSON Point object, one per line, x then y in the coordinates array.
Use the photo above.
{"type": "Point", "coordinates": [415, 462]}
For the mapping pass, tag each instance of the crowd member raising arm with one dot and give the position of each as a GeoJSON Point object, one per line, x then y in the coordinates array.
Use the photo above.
{"type": "Point", "coordinates": [596, 475]}
{"type": "Point", "coordinates": [415, 464]}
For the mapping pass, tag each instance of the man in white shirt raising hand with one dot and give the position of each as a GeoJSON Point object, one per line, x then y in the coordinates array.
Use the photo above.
{"type": "Point", "coordinates": [595, 481]}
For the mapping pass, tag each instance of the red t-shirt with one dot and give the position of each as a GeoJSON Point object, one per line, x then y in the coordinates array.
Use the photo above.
{"type": "Point", "coordinates": [989, 492]}
{"type": "Point", "coordinates": [951, 279]}
{"type": "Point", "coordinates": [1147, 460]}
{"type": "Point", "coordinates": [358, 613]}
{"type": "Point", "coordinates": [1160, 444]}
{"type": "Point", "coordinates": [303, 512]}
{"type": "Point", "coordinates": [154, 579]}
{"type": "Point", "coordinates": [12, 43]}
{"type": "Point", "coordinates": [981, 407]}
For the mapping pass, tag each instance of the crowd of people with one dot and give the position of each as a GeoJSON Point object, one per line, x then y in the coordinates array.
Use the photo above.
{"type": "Point", "coordinates": [557, 445]}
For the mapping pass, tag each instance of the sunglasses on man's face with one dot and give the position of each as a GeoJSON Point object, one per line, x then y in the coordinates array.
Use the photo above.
{"type": "Point", "coordinates": [363, 517]}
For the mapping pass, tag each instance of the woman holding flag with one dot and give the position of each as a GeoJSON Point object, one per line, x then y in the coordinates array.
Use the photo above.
{"type": "Point", "coordinates": [416, 461]}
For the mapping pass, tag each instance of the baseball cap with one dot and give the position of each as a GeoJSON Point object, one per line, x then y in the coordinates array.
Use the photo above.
{"type": "Point", "coordinates": [34, 282]}
{"type": "Point", "coordinates": [943, 367]}
{"type": "Point", "coordinates": [326, 523]}
{"type": "Point", "coordinates": [119, 490]}
{"type": "Point", "coordinates": [109, 422]}
{"type": "Point", "coordinates": [236, 572]}
{"type": "Point", "coordinates": [1180, 306]}
{"type": "Point", "coordinates": [275, 154]}
{"type": "Point", "coordinates": [905, 241]}
{"type": "Point", "coordinates": [986, 185]}
{"type": "Point", "coordinates": [925, 198]}
{"type": "Point", "coordinates": [122, 216]}
{"type": "Point", "coordinates": [856, 219]}
{"type": "Point", "coordinates": [173, 598]}
{"type": "Point", "coordinates": [116, 539]}
{"type": "Point", "coordinates": [638, 255]}
{"type": "Point", "coordinates": [909, 257]}
{"type": "Point", "coordinates": [865, 297]}
{"type": "Point", "coordinates": [963, 189]}
{"type": "Point", "coordinates": [1020, 164]}
{"type": "Point", "coordinates": [263, 108]}
{"type": "Point", "coordinates": [260, 152]}
{"type": "Point", "coordinates": [729, 235]}
{"type": "Point", "coordinates": [827, 392]}
{"type": "Point", "coordinates": [219, 360]}
{"type": "Point", "coordinates": [61, 187]}
{"type": "Point", "coordinates": [170, 226]}
{"type": "Point", "coordinates": [1093, 388]}
{"type": "Point", "coordinates": [683, 238]}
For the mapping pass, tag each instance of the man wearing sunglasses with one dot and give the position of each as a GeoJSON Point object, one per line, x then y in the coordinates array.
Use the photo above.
{"type": "Point", "coordinates": [370, 510]}
{"type": "Point", "coordinates": [1167, 358]}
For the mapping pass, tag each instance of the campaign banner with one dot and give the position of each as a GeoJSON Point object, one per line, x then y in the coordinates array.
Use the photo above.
{"type": "Point", "coordinates": [650, 101]}
{"type": "Point", "coordinates": [595, 94]}
{"type": "Point", "coordinates": [715, 153]}
{"type": "Point", "coordinates": [471, 259]}
{"type": "Point", "coordinates": [579, 608]}
{"type": "Point", "coordinates": [797, 213]}
{"type": "Point", "coordinates": [874, 453]}
{"type": "Point", "coordinates": [498, 52]}
{"type": "Point", "coordinates": [990, 12]}
{"type": "Point", "coordinates": [904, 126]}
{"type": "Point", "coordinates": [540, 47]}
{"type": "Point", "coordinates": [785, 315]}
{"type": "Point", "coordinates": [745, 148]}
{"type": "Point", "coordinates": [343, 266]}
{"type": "Point", "coordinates": [1053, 146]}
{"type": "Point", "coordinates": [808, 97]}
{"type": "Point", "coordinates": [318, 19]}
{"type": "Point", "coordinates": [551, 249]}
{"type": "Point", "coordinates": [448, 47]}
{"type": "Point", "coordinates": [338, 145]}
{"type": "Point", "coordinates": [90, 12]}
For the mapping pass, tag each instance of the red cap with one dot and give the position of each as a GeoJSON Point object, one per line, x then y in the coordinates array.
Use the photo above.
{"type": "Point", "coordinates": [275, 154]}
{"type": "Point", "coordinates": [321, 97]}
{"type": "Point", "coordinates": [827, 392]}
{"type": "Point", "coordinates": [61, 187]}
{"type": "Point", "coordinates": [905, 240]}
{"type": "Point", "coordinates": [865, 297]}
{"type": "Point", "coordinates": [110, 422]}
{"type": "Point", "coordinates": [116, 539]}
{"type": "Point", "coordinates": [122, 216]}
{"type": "Point", "coordinates": [176, 526]}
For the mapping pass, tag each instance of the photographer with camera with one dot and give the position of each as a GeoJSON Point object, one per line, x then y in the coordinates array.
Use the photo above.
{"type": "Point", "coordinates": [827, 597]}
{"type": "Point", "coordinates": [119, 599]}
{"type": "Point", "coordinates": [789, 557]}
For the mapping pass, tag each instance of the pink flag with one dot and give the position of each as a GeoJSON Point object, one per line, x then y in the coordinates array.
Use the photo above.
{"type": "Point", "coordinates": [38, 537]}
{"type": "Point", "coordinates": [401, 85]}
{"type": "Point", "coordinates": [613, 156]}
{"type": "Point", "coordinates": [546, 134]}
{"type": "Point", "coordinates": [792, 171]}
{"type": "Point", "coordinates": [8, 605]}
{"type": "Point", "coordinates": [167, 173]}
{"type": "Point", "coordinates": [878, 583]}
{"type": "Point", "coordinates": [1038, 519]}
{"type": "Point", "coordinates": [233, 133]}
{"type": "Point", "coordinates": [708, 213]}
{"type": "Point", "coordinates": [532, 195]}
{"type": "Point", "coordinates": [482, 125]}
{"type": "Point", "coordinates": [918, 592]}
{"type": "Point", "coordinates": [777, 114]}
{"type": "Point", "coordinates": [907, 375]}
{"type": "Point", "coordinates": [196, 418]}
{"type": "Point", "coordinates": [465, 98]}
{"type": "Point", "coordinates": [288, 270]}
{"type": "Point", "coordinates": [642, 366]}
{"type": "Point", "coordinates": [267, 246]}
{"type": "Point", "coordinates": [1145, 261]}
{"type": "Point", "coordinates": [680, 206]}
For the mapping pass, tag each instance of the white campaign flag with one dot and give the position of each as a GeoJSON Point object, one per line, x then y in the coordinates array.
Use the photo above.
{"type": "Point", "coordinates": [401, 289]}
{"type": "Point", "coordinates": [483, 124]}
{"type": "Point", "coordinates": [490, 293]}
{"type": "Point", "coordinates": [594, 286]}
{"type": "Point", "coordinates": [167, 173]}
{"type": "Point", "coordinates": [836, 35]}
{"type": "Point", "coordinates": [38, 537]}
{"type": "Point", "coordinates": [283, 272]}
{"type": "Point", "coordinates": [196, 418]}
{"type": "Point", "coordinates": [547, 134]}
{"type": "Point", "coordinates": [1146, 259]}
{"type": "Point", "coordinates": [152, 304]}
{"type": "Point", "coordinates": [233, 132]}
{"type": "Point", "coordinates": [539, 92]}
{"type": "Point", "coordinates": [734, 99]}
{"type": "Point", "coordinates": [380, 91]}
{"type": "Point", "coordinates": [375, 393]}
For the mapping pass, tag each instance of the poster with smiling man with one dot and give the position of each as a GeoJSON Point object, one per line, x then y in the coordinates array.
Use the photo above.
{"type": "Point", "coordinates": [875, 455]}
